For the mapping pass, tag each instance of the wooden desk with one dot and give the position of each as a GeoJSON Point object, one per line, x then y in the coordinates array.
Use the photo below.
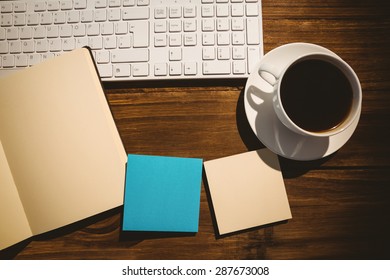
{"type": "Point", "coordinates": [340, 205]}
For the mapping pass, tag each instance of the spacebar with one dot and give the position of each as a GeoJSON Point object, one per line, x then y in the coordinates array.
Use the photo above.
{"type": "Point", "coordinates": [132, 55]}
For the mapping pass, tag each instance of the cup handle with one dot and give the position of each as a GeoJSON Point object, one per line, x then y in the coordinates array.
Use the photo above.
{"type": "Point", "coordinates": [269, 73]}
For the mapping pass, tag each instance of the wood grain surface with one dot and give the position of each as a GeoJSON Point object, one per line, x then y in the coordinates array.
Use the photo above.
{"type": "Point", "coordinates": [340, 204]}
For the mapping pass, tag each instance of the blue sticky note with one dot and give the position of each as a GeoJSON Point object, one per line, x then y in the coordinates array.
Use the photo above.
{"type": "Point", "coordinates": [162, 194]}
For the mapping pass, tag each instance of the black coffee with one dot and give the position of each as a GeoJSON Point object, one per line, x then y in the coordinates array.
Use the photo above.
{"type": "Point", "coordinates": [316, 95]}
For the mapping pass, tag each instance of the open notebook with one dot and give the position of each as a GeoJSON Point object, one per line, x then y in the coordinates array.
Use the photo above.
{"type": "Point", "coordinates": [61, 157]}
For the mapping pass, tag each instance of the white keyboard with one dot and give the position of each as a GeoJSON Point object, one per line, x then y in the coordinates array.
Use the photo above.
{"type": "Point", "coordinates": [136, 39]}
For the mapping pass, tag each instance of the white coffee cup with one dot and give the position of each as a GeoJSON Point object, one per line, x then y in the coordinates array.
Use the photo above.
{"type": "Point", "coordinates": [274, 72]}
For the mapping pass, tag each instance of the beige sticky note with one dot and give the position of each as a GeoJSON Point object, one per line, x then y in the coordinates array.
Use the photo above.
{"type": "Point", "coordinates": [247, 190]}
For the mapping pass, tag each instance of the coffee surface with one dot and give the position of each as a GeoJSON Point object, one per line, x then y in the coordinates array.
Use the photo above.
{"type": "Point", "coordinates": [316, 95]}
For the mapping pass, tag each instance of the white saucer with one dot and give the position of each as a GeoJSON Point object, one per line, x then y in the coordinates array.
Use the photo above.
{"type": "Point", "coordinates": [270, 130]}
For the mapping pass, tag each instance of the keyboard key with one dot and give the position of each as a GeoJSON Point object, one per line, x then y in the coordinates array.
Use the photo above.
{"type": "Point", "coordinates": [160, 12]}
{"type": "Point", "coordinates": [68, 44]}
{"type": "Point", "coordinates": [252, 31]}
{"type": "Point", "coordinates": [73, 16]}
{"type": "Point", "coordinates": [208, 39]}
{"type": "Point", "coordinates": [105, 70]}
{"type": "Point", "coordinates": [222, 10]}
{"type": "Point", "coordinates": [101, 4]}
{"type": "Point", "coordinates": [160, 69]}
{"type": "Point", "coordinates": [28, 46]}
{"type": "Point", "coordinates": [66, 31]}
{"type": "Point", "coordinates": [110, 42]}
{"type": "Point", "coordinates": [175, 40]}
{"type": "Point", "coordinates": [124, 41]}
{"type": "Point", "coordinates": [121, 28]}
{"type": "Point", "coordinates": [122, 70]}
{"type": "Point", "coordinates": [41, 45]}
{"type": "Point", "coordinates": [133, 55]}
{"type": "Point", "coordinates": [189, 25]}
{"type": "Point", "coordinates": [46, 18]}
{"type": "Point", "coordinates": [114, 3]}
{"type": "Point", "coordinates": [66, 5]}
{"type": "Point", "coordinates": [19, 19]}
{"type": "Point", "coordinates": [20, 7]}
{"type": "Point", "coordinates": [4, 46]}
{"type": "Point", "coordinates": [6, 20]}
{"type": "Point", "coordinates": [190, 39]}
{"type": "Point", "coordinates": [208, 53]}
{"type": "Point", "coordinates": [34, 59]}
{"type": "Point", "coordinates": [79, 30]}
{"type": "Point", "coordinates": [95, 43]}
{"type": "Point", "coordinates": [237, 24]}
{"type": "Point", "coordinates": [33, 19]}
{"type": "Point", "coordinates": [55, 45]}
{"type": "Point", "coordinates": [25, 33]}
{"type": "Point", "coordinates": [190, 68]}
{"type": "Point", "coordinates": [59, 17]}
{"type": "Point", "coordinates": [175, 12]}
{"type": "Point", "coordinates": [143, 2]}
{"type": "Point", "coordinates": [21, 60]}
{"type": "Point", "coordinates": [160, 40]}
{"type": "Point", "coordinates": [160, 26]}
{"type": "Point", "coordinates": [86, 16]}
{"type": "Point", "coordinates": [93, 29]}
{"type": "Point", "coordinates": [107, 28]}
{"type": "Point", "coordinates": [114, 14]}
{"type": "Point", "coordinates": [223, 53]}
{"type": "Point", "coordinates": [189, 11]}
{"type": "Point", "coordinates": [238, 38]}
{"type": "Point", "coordinates": [140, 30]}
{"type": "Point", "coordinates": [40, 6]}
{"type": "Point", "coordinates": [12, 33]}
{"type": "Point", "coordinates": [100, 15]}
{"type": "Point", "coordinates": [53, 5]}
{"type": "Point", "coordinates": [216, 67]}
{"type": "Point", "coordinates": [52, 32]}
{"type": "Point", "coordinates": [80, 4]}
{"type": "Point", "coordinates": [223, 24]}
{"type": "Point", "coordinates": [8, 61]}
{"type": "Point", "coordinates": [140, 70]}
{"type": "Point", "coordinates": [6, 7]}
{"type": "Point", "coordinates": [128, 3]}
{"type": "Point", "coordinates": [237, 10]}
{"type": "Point", "coordinates": [81, 42]}
{"type": "Point", "coordinates": [253, 57]}
{"type": "Point", "coordinates": [175, 54]}
{"type": "Point", "coordinates": [239, 67]}
{"type": "Point", "coordinates": [175, 25]}
{"type": "Point", "coordinates": [207, 11]}
{"type": "Point", "coordinates": [102, 57]}
{"type": "Point", "coordinates": [135, 13]}
{"type": "Point", "coordinates": [223, 38]}
{"type": "Point", "coordinates": [15, 47]}
{"type": "Point", "coordinates": [252, 10]}
{"type": "Point", "coordinates": [238, 53]}
{"type": "Point", "coordinates": [175, 68]}
{"type": "Point", "coordinates": [208, 25]}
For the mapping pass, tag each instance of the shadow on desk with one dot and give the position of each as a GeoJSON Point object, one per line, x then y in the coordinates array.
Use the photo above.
{"type": "Point", "coordinates": [290, 168]}
{"type": "Point", "coordinates": [139, 236]}
{"type": "Point", "coordinates": [14, 250]}
{"type": "Point", "coordinates": [175, 83]}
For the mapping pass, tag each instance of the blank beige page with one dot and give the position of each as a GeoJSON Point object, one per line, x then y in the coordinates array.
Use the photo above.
{"type": "Point", "coordinates": [14, 226]}
{"type": "Point", "coordinates": [247, 190]}
{"type": "Point", "coordinates": [61, 142]}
